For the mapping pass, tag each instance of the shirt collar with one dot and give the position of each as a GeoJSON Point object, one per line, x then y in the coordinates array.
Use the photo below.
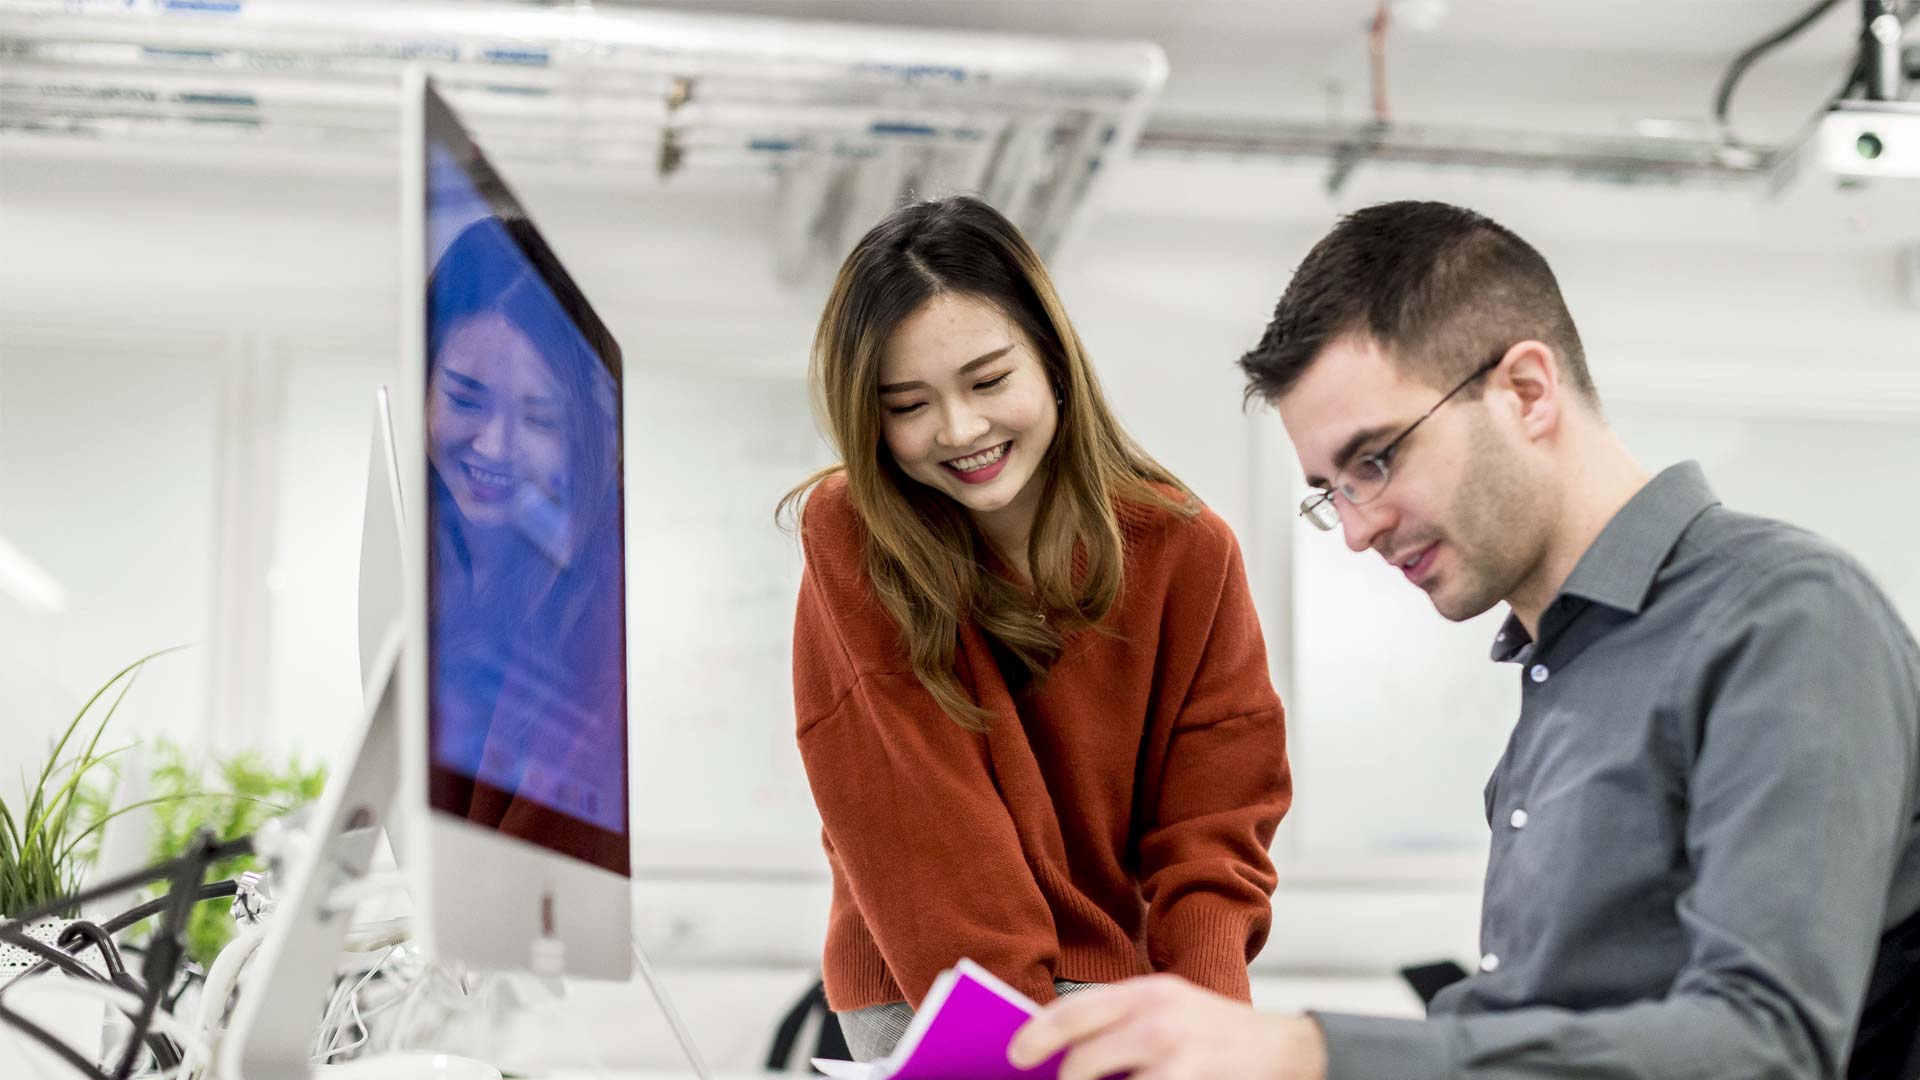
{"type": "Point", "coordinates": [1619, 567]}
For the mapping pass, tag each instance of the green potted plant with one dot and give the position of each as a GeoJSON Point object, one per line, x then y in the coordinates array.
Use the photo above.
{"type": "Point", "coordinates": [50, 838]}
{"type": "Point", "coordinates": [44, 854]}
{"type": "Point", "coordinates": [246, 790]}
{"type": "Point", "coordinates": [44, 835]}
{"type": "Point", "coordinates": [50, 841]}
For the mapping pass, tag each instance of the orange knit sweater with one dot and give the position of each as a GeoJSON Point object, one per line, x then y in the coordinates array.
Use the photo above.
{"type": "Point", "coordinates": [1112, 821]}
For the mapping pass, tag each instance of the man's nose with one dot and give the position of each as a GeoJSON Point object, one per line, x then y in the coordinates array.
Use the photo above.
{"type": "Point", "coordinates": [1362, 525]}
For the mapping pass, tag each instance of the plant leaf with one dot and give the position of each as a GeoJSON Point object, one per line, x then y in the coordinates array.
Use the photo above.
{"type": "Point", "coordinates": [35, 865]}
{"type": "Point", "coordinates": [33, 813]}
{"type": "Point", "coordinates": [87, 759]}
{"type": "Point", "coordinates": [50, 828]}
{"type": "Point", "coordinates": [234, 795]}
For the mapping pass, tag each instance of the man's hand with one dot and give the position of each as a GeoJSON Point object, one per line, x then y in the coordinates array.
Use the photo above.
{"type": "Point", "coordinates": [1162, 1027]}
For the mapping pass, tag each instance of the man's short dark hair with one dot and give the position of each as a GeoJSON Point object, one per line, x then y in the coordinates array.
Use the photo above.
{"type": "Point", "coordinates": [1439, 288]}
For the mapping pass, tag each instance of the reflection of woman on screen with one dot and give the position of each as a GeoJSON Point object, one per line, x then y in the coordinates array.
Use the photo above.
{"type": "Point", "coordinates": [522, 441]}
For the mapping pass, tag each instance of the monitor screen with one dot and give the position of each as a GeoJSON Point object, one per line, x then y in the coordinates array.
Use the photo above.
{"type": "Point", "coordinates": [526, 694]}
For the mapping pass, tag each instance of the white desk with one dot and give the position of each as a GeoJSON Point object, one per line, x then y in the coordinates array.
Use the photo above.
{"type": "Point", "coordinates": [654, 1074]}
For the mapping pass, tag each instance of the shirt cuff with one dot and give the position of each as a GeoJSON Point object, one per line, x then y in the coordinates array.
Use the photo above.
{"type": "Point", "coordinates": [1384, 1048]}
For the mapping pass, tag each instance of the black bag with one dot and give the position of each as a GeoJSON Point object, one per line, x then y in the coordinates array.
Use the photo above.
{"type": "Point", "coordinates": [828, 1041]}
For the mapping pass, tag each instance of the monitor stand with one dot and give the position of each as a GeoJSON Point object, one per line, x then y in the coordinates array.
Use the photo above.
{"type": "Point", "coordinates": [281, 1000]}
{"type": "Point", "coordinates": [280, 1003]}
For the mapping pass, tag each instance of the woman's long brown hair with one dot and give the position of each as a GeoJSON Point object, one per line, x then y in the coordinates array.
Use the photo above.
{"type": "Point", "coordinates": [925, 557]}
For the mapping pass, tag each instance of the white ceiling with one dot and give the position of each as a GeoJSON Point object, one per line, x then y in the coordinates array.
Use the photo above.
{"type": "Point", "coordinates": [1704, 28]}
{"type": "Point", "coordinates": [1555, 65]}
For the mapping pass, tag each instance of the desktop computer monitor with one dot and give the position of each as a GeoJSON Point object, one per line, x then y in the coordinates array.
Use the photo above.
{"type": "Point", "coordinates": [493, 749]}
{"type": "Point", "coordinates": [514, 705]}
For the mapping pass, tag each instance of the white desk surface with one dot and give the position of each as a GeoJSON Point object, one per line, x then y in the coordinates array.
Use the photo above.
{"type": "Point", "coordinates": [652, 1074]}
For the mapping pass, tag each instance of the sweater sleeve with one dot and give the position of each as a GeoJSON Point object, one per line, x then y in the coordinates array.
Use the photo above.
{"type": "Point", "coordinates": [1205, 869]}
{"type": "Point", "coordinates": [907, 797]}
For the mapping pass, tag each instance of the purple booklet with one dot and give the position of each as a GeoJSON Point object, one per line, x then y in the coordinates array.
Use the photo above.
{"type": "Point", "coordinates": [960, 1032]}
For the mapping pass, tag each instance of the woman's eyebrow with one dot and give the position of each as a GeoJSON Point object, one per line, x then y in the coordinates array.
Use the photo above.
{"type": "Point", "coordinates": [467, 382]}
{"type": "Point", "coordinates": [965, 369]}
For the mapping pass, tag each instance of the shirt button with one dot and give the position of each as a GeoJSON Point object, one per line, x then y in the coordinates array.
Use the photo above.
{"type": "Point", "coordinates": [1539, 673]}
{"type": "Point", "coordinates": [1519, 819]}
{"type": "Point", "coordinates": [1489, 963]}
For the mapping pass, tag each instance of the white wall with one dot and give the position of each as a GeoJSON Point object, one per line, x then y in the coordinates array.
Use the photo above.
{"type": "Point", "coordinates": [187, 350]}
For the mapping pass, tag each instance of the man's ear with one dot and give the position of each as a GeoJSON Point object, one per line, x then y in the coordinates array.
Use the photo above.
{"type": "Point", "coordinates": [1530, 372]}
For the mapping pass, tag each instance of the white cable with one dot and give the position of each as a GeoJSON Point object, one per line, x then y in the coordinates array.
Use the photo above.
{"type": "Point", "coordinates": [323, 1031]}
{"type": "Point", "coordinates": [336, 997]}
{"type": "Point", "coordinates": [358, 1022]}
{"type": "Point", "coordinates": [224, 973]}
{"type": "Point", "coordinates": [327, 1037]}
{"type": "Point", "coordinates": [353, 1005]}
{"type": "Point", "coordinates": [163, 1022]}
{"type": "Point", "coordinates": [383, 1008]}
{"type": "Point", "coordinates": [680, 1031]}
{"type": "Point", "coordinates": [329, 1016]}
{"type": "Point", "coordinates": [230, 965]}
{"type": "Point", "coordinates": [408, 1002]}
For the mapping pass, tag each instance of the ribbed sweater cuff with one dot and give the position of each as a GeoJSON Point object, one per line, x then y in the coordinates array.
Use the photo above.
{"type": "Point", "coordinates": [1204, 940]}
{"type": "Point", "coordinates": [857, 975]}
{"type": "Point", "coordinates": [1097, 964]}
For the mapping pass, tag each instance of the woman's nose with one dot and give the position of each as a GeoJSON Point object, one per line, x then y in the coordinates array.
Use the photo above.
{"type": "Point", "coordinates": [961, 426]}
{"type": "Point", "coordinates": [494, 440]}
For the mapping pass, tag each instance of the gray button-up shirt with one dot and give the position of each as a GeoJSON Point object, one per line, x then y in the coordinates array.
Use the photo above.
{"type": "Point", "coordinates": [1705, 823]}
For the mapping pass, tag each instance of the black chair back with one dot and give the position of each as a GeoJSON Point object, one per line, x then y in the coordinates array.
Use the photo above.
{"type": "Point", "coordinates": [1887, 1044]}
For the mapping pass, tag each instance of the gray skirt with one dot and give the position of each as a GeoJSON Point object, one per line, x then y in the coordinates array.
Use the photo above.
{"type": "Point", "coordinates": [874, 1031]}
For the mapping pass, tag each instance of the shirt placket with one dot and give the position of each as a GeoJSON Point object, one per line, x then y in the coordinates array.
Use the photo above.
{"type": "Point", "coordinates": [1536, 660]}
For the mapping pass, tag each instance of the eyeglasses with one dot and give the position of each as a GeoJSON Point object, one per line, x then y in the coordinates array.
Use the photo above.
{"type": "Point", "coordinates": [1364, 478]}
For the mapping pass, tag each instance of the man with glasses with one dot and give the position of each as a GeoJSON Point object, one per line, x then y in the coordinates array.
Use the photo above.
{"type": "Point", "coordinates": [1706, 826]}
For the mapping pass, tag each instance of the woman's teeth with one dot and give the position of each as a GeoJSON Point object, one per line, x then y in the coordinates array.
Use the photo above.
{"type": "Point", "coordinates": [492, 479]}
{"type": "Point", "coordinates": [980, 460]}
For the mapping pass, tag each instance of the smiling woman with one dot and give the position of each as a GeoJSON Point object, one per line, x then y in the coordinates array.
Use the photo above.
{"type": "Point", "coordinates": [943, 344]}
{"type": "Point", "coordinates": [1031, 694]}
